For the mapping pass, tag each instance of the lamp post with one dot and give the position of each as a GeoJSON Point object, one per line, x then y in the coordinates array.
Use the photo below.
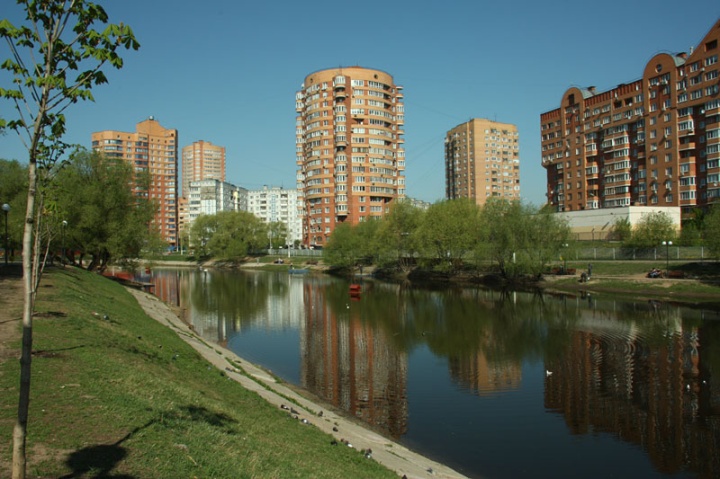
{"type": "Point", "coordinates": [62, 253]}
{"type": "Point", "coordinates": [667, 245]}
{"type": "Point", "coordinates": [6, 209]}
{"type": "Point", "coordinates": [565, 245]}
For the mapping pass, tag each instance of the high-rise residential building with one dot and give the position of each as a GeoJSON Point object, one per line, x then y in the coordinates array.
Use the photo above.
{"type": "Point", "coordinates": [349, 148]}
{"type": "Point", "coordinates": [651, 142]}
{"type": "Point", "coordinates": [482, 161]}
{"type": "Point", "coordinates": [202, 161]}
{"type": "Point", "coordinates": [154, 149]}
{"type": "Point", "coordinates": [277, 204]}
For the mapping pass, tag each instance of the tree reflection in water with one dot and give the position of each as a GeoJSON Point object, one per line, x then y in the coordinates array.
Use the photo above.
{"type": "Point", "coordinates": [633, 379]}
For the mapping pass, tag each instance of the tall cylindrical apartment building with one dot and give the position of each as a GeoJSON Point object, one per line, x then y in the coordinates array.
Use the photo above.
{"type": "Point", "coordinates": [349, 148]}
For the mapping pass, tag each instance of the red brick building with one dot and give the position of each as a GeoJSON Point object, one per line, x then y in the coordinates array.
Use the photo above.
{"type": "Point", "coordinates": [151, 148]}
{"type": "Point", "coordinates": [652, 142]}
{"type": "Point", "coordinates": [349, 148]}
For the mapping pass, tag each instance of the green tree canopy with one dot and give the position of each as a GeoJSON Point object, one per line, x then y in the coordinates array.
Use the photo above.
{"type": "Point", "coordinates": [398, 241]}
{"type": "Point", "coordinates": [652, 229]}
{"type": "Point", "coordinates": [344, 248]}
{"type": "Point", "coordinates": [13, 192]}
{"type": "Point", "coordinates": [278, 232]}
{"type": "Point", "coordinates": [519, 238]}
{"type": "Point", "coordinates": [712, 230]}
{"type": "Point", "coordinates": [450, 229]}
{"type": "Point", "coordinates": [228, 235]}
{"type": "Point", "coordinates": [104, 218]}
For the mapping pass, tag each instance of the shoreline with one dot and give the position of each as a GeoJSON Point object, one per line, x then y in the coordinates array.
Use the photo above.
{"type": "Point", "coordinates": [389, 453]}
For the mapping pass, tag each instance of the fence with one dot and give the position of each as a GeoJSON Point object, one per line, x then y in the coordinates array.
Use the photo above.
{"type": "Point", "coordinates": [682, 253]}
{"type": "Point", "coordinates": [295, 253]}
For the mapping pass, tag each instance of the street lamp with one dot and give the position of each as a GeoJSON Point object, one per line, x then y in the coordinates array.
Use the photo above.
{"type": "Point", "coordinates": [6, 209]}
{"type": "Point", "coordinates": [62, 254]}
{"type": "Point", "coordinates": [565, 245]}
{"type": "Point", "coordinates": [667, 245]}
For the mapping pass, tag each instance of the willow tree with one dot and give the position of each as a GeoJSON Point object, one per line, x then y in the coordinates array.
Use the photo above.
{"type": "Point", "coordinates": [56, 57]}
{"type": "Point", "coordinates": [449, 232]}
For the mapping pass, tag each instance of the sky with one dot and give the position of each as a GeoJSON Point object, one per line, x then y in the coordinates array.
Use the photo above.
{"type": "Point", "coordinates": [226, 71]}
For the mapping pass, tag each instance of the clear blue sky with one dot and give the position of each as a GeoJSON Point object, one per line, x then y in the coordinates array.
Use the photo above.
{"type": "Point", "coordinates": [227, 71]}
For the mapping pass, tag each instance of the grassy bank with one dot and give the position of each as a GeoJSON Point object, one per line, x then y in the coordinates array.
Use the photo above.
{"type": "Point", "coordinates": [700, 281]}
{"type": "Point", "coordinates": [117, 394]}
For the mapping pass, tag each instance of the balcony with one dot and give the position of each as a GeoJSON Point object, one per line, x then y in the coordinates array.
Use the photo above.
{"type": "Point", "coordinates": [690, 145]}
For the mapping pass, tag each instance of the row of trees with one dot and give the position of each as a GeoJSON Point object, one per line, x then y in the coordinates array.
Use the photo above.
{"type": "Point", "coordinates": [88, 213]}
{"type": "Point", "coordinates": [702, 228]}
{"type": "Point", "coordinates": [514, 238]}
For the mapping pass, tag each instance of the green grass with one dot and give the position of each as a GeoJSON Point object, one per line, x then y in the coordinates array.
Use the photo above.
{"type": "Point", "coordinates": [701, 283]}
{"type": "Point", "coordinates": [126, 396]}
{"type": "Point", "coordinates": [626, 267]}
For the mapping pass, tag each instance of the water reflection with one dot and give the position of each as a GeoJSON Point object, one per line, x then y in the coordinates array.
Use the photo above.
{"type": "Point", "coordinates": [628, 379]}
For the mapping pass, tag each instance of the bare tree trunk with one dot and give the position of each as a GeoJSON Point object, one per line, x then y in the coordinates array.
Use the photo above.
{"type": "Point", "coordinates": [28, 255]}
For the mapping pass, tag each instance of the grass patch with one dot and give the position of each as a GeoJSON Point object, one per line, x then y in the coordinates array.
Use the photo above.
{"type": "Point", "coordinates": [705, 269]}
{"type": "Point", "coordinates": [125, 396]}
{"type": "Point", "coordinates": [701, 283]}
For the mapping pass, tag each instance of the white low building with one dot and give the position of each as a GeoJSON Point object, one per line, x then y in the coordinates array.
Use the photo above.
{"type": "Point", "coordinates": [598, 224]}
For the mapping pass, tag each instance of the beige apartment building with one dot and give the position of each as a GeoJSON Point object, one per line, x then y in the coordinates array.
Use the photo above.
{"type": "Point", "coordinates": [653, 142]}
{"type": "Point", "coordinates": [349, 148]}
{"type": "Point", "coordinates": [150, 148]}
{"type": "Point", "coordinates": [202, 161]}
{"type": "Point", "coordinates": [482, 161]}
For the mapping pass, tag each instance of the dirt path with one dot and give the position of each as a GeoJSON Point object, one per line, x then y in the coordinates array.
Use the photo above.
{"type": "Point", "coordinates": [11, 305]}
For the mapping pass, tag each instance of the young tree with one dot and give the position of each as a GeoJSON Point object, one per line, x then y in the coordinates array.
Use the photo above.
{"type": "Point", "coordinates": [278, 232]}
{"type": "Point", "coordinates": [622, 230]}
{"type": "Point", "coordinates": [56, 58]}
{"type": "Point", "coordinates": [712, 230]}
{"type": "Point", "coordinates": [652, 229]}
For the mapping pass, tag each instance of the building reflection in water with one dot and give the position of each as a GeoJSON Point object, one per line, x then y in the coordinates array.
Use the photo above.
{"type": "Point", "coordinates": [636, 371]}
{"type": "Point", "coordinates": [645, 387]}
{"type": "Point", "coordinates": [351, 364]}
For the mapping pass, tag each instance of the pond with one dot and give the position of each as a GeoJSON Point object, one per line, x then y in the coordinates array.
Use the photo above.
{"type": "Point", "coordinates": [492, 383]}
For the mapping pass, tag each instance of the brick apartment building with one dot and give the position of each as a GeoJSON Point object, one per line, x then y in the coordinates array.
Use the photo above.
{"type": "Point", "coordinates": [150, 148]}
{"type": "Point", "coordinates": [349, 148]}
{"type": "Point", "coordinates": [482, 161]}
{"type": "Point", "coordinates": [652, 142]}
{"type": "Point", "coordinates": [202, 161]}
